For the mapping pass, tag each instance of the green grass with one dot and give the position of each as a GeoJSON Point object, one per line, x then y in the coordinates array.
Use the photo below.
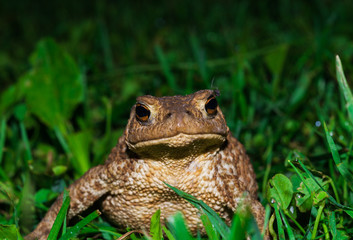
{"type": "Point", "coordinates": [64, 101]}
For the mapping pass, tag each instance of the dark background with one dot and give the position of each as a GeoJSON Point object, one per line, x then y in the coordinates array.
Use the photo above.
{"type": "Point", "coordinates": [273, 61]}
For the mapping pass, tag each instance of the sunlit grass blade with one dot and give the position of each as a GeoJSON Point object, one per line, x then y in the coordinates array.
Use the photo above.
{"type": "Point", "coordinates": [177, 225]}
{"type": "Point", "coordinates": [74, 231]}
{"type": "Point", "coordinates": [280, 228]}
{"type": "Point", "coordinates": [237, 230]}
{"type": "Point", "coordinates": [155, 227]}
{"type": "Point", "coordinates": [317, 220]}
{"type": "Point", "coordinates": [168, 233]}
{"type": "Point", "coordinates": [211, 233]}
{"type": "Point", "coordinates": [2, 137]}
{"type": "Point", "coordinates": [165, 67]}
{"type": "Point", "coordinates": [54, 232]}
{"type": "Point", "coordinates": [342, 166]}
{"type": "Point", "coordinates": [344, 87]}
{"type": "Point", "coordinates": [215, 219]}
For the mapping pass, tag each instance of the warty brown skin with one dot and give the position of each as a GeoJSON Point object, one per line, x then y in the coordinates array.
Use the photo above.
{"type": "Point", "coordinates": [180, 144]}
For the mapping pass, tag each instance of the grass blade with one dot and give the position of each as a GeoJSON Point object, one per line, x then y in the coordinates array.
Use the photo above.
{"type": "Point", "coordinates": [74, 231]}
{"type": "Point", "coordinates": [332, 224]}
{"type": "Point", "coordinates": [344, 87]}
{"type": "Point", "coordinates": [342, 167]}
{"type": "Point", "coordinates": [287, 226]}
{"type": "Point", "coordinates": [200, 57]}
{"type": "Point", "coordinates": [168, 233]}
{"type": "Point", "coordinates": [62, 140]}
{"type": "Point", "coordinates": [155, 228]}
{"type": "Point", "coordinates": [238, 227]}
{"type": "Point", "coordinates": [348, 210]}
{"type": "Point", "coordinates": [215, 219]}
{"type": "Point", "coordinates": [165, 67]}
{"type": "Point", "coordinates": [2, 137]}
{"type": "Point", "coordinates": [211, 233]}
{"type": "Point", "coordinates": [279, 223]}
{"type": "Point", "coordinates": [176, 224]}
{"type": "Point", "coordinates": [26, 142]}
{"type": "Point", "coordinates": [60, 218]}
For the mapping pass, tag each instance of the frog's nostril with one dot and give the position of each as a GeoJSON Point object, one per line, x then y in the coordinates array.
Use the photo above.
{"type": "Point", "coordinates": [188, 112]}
{"type": "Point", "coordinates": [168, 115]}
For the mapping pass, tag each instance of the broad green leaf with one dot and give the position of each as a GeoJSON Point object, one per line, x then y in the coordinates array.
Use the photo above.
{"type": "Point", "coordinates": [343, 235]}
{"type": "Point", "coordinates": [11, 96]}
{"type": "Point", "coordinates": [44, 195]}
{"type": "Point", "coordinates": [20, 111]}
{"type": "Point", "coordinates": [10, 232]}
{"type": "Point", "coordinates": [54, 84]}
{"type": "Point", "coordinates": [155, 227]}
{"type": "Point", "coordinates": [280, 191]}
{"type": "Point", "coordinates": [58, 170]}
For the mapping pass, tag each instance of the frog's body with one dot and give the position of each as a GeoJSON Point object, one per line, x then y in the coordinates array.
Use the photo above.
{"type": "Point", "coordinates": [181, 140]}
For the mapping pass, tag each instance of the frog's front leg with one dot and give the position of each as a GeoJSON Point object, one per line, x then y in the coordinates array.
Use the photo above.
{"type": "Point", "coordinates": [83, 193]}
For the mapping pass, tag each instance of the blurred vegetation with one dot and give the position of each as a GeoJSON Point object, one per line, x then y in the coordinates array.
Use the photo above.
{"type": "Point", "coordinates": [71, 70]}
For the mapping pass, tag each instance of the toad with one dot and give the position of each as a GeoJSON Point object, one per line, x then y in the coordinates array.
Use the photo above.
{"type": "Point", "coordinates": [180, 140]}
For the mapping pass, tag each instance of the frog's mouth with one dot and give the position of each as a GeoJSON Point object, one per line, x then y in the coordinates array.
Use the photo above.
{"type": "Point", "coordinates": [179, 146]}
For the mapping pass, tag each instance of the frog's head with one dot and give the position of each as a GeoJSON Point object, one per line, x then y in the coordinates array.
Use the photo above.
{"type": "Point", "coordinates": [176, 126]}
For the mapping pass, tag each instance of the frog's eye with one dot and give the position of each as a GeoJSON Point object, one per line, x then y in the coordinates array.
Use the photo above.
{"type": "Point", "coordinates": [211, 105]}
{"type": "Point", "coordinates": [142, 112]}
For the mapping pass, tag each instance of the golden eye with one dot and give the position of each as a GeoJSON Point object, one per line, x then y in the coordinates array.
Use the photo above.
{"type": "Point", "coordinates": [211, 105]}
{"type": "Point", "coordinates": [142, 112]}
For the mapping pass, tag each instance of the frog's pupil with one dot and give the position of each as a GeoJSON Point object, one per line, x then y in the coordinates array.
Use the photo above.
{"type": "Point", "coordinates": [142, 112]}
{"type": "Point", "coordinates": [211, 103]}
